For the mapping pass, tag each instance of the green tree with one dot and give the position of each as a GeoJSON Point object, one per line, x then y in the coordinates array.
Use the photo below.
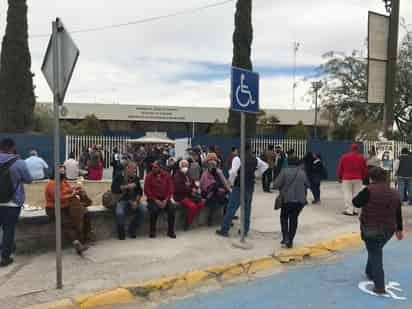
{"type": "Point", "coordinates": [344, 93]}
{"type": "Point", "coordinates": [90, 125]}
{"type": "Point", "coordinates": [347, 131]}
{"type": "Point", "coordinates": [242, 46]}
{"type": "Point", "coordinates": [220, 130]}
{"type": "Point", "coordinates": [298, 132]}
{"type": "Point", "coordinates": [266, 124]}
{"type": "Point", "coordinates": [403, 91]}
{"type": "Point", "coordinates": [17, 99]}
{"type": "Point", "coordinates": [43, 120]}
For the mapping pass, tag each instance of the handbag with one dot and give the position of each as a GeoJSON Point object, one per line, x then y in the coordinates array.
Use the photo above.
{"type": "Point", "coordinates": [279, 199]}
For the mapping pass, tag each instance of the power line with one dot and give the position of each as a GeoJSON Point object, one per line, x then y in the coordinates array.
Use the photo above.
{"type": "Point", "coordinates": [144, 20]}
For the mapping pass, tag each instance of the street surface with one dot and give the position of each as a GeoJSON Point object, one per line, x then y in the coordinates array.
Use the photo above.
{"type": "Point", "coordinates": [112, 263]}
{"type": "Point", "coordinates": [332, 286]}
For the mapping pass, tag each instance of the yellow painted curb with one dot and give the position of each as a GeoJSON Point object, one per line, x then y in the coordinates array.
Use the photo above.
{"type": "Point", "coordinates": [130, 292]}
{"type": "Point", "coordinates": [112, 297]}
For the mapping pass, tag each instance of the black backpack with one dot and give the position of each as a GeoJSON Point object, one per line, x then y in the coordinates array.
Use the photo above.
{"type": "Point", "coordinates": [7, 189]}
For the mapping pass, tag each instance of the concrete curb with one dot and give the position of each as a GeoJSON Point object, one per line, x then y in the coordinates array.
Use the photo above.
{"type": "Point", "coordinates": [129, 293]}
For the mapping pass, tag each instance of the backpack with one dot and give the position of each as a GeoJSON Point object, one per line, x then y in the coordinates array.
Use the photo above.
{"type": "Point", "coordinates": [7, 189]}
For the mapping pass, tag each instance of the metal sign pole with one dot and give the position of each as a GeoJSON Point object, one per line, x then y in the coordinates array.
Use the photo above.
{"type": "Point", "coordinates": [242, 174]}
{"type": "Point", "coordinates": [56, 133]}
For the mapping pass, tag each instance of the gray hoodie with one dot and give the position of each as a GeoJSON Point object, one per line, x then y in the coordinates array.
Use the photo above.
{"type": "Point", "coordinates": [293, 183]}
{"type": "Point", "coordinates": [19, 176]}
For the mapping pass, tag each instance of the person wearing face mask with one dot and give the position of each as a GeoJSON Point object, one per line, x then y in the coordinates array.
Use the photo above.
{"type": "Point", "coordinates": [158, 188]}
{"type": "Point", "coordinates": [186, 193]}
{"type": "Point", "coordinates": [75, 218]}
{"type": "Point", "coordinates": [214, 188]}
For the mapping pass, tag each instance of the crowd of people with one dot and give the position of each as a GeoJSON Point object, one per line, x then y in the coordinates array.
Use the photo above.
{"type": "Point", "coordinates": [198, 181]}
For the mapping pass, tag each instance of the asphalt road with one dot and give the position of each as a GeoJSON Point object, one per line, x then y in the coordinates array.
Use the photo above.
{"type": "Point", "coordinates": [323, 286]}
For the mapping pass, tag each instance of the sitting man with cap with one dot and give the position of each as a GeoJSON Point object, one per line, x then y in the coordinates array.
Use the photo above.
{"type": "Point", "coordinates": [158, 188]}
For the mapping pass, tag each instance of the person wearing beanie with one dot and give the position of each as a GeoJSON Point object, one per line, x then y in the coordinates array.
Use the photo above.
{"type": "Point", "coordinates": [352, 169]}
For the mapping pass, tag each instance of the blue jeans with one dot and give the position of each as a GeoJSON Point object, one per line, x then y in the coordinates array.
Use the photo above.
{"type": "Point", "coordinates": [405, 184]}
{"type": "Point", "coordinates": [8, 220]}
{"type": "Point", "coordinates": [375, 239]}
{"type": "Point", "coordinates": [233, 206]}
{"type": "Point", "coordinates": [138, 215]}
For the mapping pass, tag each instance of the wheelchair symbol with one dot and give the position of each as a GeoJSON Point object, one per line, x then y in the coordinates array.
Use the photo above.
{"type": "Point", "coordinates": [391, 287]}
{"type": "Point", "coordinates": [244, 89]}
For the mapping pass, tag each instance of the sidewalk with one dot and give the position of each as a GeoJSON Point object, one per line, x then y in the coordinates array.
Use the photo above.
{"type": "Point", "coordinates": [111, 263]}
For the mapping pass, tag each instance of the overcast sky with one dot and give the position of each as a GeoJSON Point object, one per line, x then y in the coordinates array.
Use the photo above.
{"type": "Point", "coordinates": [185, 60]}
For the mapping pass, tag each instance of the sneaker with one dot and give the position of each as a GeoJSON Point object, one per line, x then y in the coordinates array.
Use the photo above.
{"type": "Point", "coordinates": [6, 262]}
{"type": "Point", "coordinates": [172, 235]}
{"type": "Point", "coordinates": [316, 202]}
{"type": "Point", "coordinates": [221, 233]}
{"type": "Point", "coordinates": [289, 245]}
{"type": "Point", "coordinates": [349, 214]}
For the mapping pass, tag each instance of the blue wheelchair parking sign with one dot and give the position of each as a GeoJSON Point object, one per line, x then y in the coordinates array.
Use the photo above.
{"type": "Point", "coordinates": [244, 91]}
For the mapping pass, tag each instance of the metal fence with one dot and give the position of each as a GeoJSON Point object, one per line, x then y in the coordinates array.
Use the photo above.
{"type": "Point", "coordinates": [76, 144]}
{"type": "Point", "coordinates": [398, 146]}
{"type": "Point", "coordinates": [259, 144]}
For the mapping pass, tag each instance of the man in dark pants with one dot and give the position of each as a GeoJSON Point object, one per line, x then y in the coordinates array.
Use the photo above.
{"type": "Point", "coordinates": [403, 171]}
{"type": "Point", "coordinates": [252, 164]}
{"type": "Point", "coordinates": [381, 217]}
{"type": "Point", "coordinates": [158, 188]}
{"type": "Point", "coordinates": [267, 177]}
{"type": "Point", "coordinates": [128, 184]}
{"type": "Point", "coordinates": [13, 175]}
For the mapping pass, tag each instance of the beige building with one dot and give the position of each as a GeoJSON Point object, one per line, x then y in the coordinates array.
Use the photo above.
{"type": "Point", "coordinates": [125, 117]}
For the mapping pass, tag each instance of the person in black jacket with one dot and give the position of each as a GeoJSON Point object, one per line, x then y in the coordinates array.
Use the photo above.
{"type": "Point", "coordinates": [128, 184]}
{"type": "Point", "coordinates": [317, 174]}
{"type": "Point", "coordinates": [381, 217]}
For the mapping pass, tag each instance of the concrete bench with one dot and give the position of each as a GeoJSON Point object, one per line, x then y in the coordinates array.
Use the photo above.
{"type": "Point", "coordinates": [36, 232]}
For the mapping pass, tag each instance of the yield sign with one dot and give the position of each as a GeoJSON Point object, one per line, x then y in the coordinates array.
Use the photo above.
{"type": "Point", "coordinates": [67, 55]}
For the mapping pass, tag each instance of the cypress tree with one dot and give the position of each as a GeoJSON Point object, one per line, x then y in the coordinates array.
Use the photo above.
{"type": "Point", "coordinates": [17, 98]}
{"type": "Point", "coordinates": [242, 47]}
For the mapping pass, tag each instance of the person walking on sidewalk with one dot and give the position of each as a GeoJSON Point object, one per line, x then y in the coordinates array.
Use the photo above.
{"type": "Point", "coordinates": [352, 169]}
{"type": "Point", "coordinates": [292, 184]}
{"type": "Point", "coordinates": [187, 194]}
{"type": "Point", "coordinates": [318, 173]}
{"type": "Point", "coordinates": [403, 171]}
{"type": "Point", "coordinates": [252, 164]}
{"type": "Point", "coordinates": [128, 185]}
{"type": "Point", "coordinates": [267, 177]}
{"type": "Point", "coordinates": [13, 175]}
{"type": "Point", "coordinates": [158, 188]}
{"type": "Point", "coordinates": [381, 217]}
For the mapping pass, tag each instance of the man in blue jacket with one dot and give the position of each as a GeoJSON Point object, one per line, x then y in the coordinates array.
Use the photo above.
{"type": "Point", "coordinates": [13, 175]}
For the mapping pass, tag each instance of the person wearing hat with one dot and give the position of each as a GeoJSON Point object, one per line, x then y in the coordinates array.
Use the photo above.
{"type": "Point", "coordinates": [214, 188]}
{"type": "Point", "coordinates": [158, 188]}
{"type": "Point", "coordinates": [352, 169]}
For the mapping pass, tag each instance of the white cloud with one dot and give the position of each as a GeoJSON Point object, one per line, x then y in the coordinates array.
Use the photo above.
{"type": "Point", "coordinates": [135, 64]}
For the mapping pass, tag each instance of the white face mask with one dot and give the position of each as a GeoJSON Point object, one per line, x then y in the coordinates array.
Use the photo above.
{"type": "Point", "coordinates": [184, 170]}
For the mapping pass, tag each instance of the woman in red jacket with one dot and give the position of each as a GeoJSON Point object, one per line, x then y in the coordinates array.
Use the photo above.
{"type": "Point", "coordinates": [186, 193]}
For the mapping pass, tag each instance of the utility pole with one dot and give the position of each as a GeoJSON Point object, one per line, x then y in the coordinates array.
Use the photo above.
{"type": "Point", "coordinates": [316, 87]}
{"type": "Point", "coordinates": [392, 7]}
